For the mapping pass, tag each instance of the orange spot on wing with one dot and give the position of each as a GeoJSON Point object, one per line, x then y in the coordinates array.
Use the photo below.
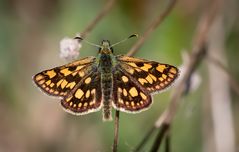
{"type": "Point", "coordinates": [133, 92]}
{"type": "Point", "coordinates": [64, 83]}
{"type": "Point", "coordinates": [146, 67]}
{"type": "Point", "coordinates": [79, 93]}
{"type": "Point", "coordinates": [161, 68]}
{"type": "Point", "coordinates": [65, 71]}
{"type": "Point", "coordinates": [51, 73]}
{"type": "Point", "coordinates": [173, 70]}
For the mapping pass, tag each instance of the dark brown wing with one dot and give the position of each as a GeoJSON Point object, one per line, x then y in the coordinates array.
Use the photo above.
{"type": "Point", "coordinates": [151, 75]}
{"type": "Point", "coordinates": [86, 96]}
{"type": "Point", "coordinates": [60, 80]}
{"type": "Point", "coordinates": [128, 94]}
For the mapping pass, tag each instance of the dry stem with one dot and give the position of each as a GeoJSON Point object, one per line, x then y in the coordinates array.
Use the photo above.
{"type": "Point", "coordinates": [116, 131]}
{"type": "Point", "coordinates": [100, 15]}
{"type": "Point", "coordinates": [152, 28]}
{"type": "Point", "coordinates": [233, 83]}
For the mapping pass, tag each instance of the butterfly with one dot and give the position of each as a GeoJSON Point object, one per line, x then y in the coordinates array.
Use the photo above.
{"type": "Point", "coordinates": [93, 83]}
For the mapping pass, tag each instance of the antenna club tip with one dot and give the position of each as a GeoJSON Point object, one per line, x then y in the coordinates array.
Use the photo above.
{"type": "Point", "coordinates": [134, 35]}
{"type": "Point", "coordinates": [78, 38]}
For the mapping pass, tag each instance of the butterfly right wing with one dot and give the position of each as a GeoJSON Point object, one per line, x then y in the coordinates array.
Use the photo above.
{"type": "Point", "coordinates": [128, 94]}
{"type": "Point", "coordinates": [151, 75]}
{"type": "Point", "coordinates": [60, 80]}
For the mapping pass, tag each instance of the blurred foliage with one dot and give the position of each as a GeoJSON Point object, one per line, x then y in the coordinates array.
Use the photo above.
{"type": "Point", "coordinates": [30, 32]}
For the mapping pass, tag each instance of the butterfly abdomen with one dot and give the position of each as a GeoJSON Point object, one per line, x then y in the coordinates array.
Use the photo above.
{"type": "Point", "coordinates": [105, 66]}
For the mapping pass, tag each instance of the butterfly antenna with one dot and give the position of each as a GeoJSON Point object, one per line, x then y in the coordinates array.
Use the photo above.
{"type": "Point", "coordinates": [131, 36]}
{"type": "Point", "coordinates": [81, 39]}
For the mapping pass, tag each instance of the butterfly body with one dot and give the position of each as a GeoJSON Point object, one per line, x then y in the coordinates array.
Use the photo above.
{"type": "Point", "coordinates": [106, 81]}
{"type": "Point", "coordinates": [105, 66]}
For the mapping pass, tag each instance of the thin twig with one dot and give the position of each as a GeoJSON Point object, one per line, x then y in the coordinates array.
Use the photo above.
{"type": "Point", "coordinates": [116, 131]}
{"type": "Point", "coordinates": [159, 138]}
{"type": "Point", "coordinates": [152, 27]}
{"type": "Point", "coordinates": [219, 99]}
{"type": "Point", "coordinates": [167, 142]}
{"type": "Point", "coordinates": [146, 137]}
{"type": "Point", "coordinates": [233, 83]}
{"type": "Point", "coordinates": [100, 15]}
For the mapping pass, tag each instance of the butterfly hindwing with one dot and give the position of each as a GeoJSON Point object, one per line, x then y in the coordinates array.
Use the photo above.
{"type": "Point", "coordinates": [86, 96]}
{"type": "Point", "coordinates": [128, 95]}
{"type": "Point", "coordinates": [60, 80]}
{"type": "Point", "coordinates": [152, 75]}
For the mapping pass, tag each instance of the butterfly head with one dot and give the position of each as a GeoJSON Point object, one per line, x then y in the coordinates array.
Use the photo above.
{"type": "Point", "coordinates": [105, 47]}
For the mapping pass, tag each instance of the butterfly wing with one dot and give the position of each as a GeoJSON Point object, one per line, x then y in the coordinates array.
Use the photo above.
{"type": "Point", "coordinates": [86, 96]}
{"type": "Point", "coordinates": [60, 80]}
{"type": "Point", "coordinates": [151, 75]}
{"type": "Point", "coordinates": [128, 94]}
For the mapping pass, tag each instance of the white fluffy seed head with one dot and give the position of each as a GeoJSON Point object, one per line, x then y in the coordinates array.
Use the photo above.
{"type": "Point", "coordinates": [69, 48]}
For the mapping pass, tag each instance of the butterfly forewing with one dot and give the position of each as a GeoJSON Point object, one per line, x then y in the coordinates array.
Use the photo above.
{"type": "Point", "coordinates": [61, 80]}
{"type": "Point", "coordinates": [128, 95]}
{"type": "Point", "coordinates": [151, 75]}
{"type": "Point", "coordinates": [86, 96]}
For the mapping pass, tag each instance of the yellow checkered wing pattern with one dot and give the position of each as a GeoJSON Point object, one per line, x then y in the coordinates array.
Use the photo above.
{"type": "Point", "coordinates": [128, 94]}
{"type": "Point", "coordinates": [136, 79]}
{"type": "Point", "coordinates": [61, 80]}
{"type": "Point", "coordinates": [86, 97]}
{"type": "Point", "coordinates": [151, 75]}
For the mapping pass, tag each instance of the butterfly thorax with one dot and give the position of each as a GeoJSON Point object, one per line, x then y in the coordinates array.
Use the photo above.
{"type": "Point", "coordinates": [106, 62]}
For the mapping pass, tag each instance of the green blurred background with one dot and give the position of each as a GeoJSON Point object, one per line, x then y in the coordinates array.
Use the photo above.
{"type": "Point", "coordinates": [30, 32]}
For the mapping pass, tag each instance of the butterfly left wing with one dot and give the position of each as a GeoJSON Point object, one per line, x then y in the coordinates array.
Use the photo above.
{"type": "Point", "coordinates": [60, 80]}
{"type": "Point", "coordinates": [151, 75]}
{"type": "Point", "coordinates": [86, 96]}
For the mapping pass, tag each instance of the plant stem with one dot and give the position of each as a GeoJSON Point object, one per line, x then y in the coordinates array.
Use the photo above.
{"type": "Point", "coordinates": [145, 139]}
{"type": "Point", "coordinates": [100, 15]}
{"type": "Point", "coordinates": [167, 142]}
{"type": "Point", "coordinates": [116, 131]}
{"type": "Point", "coordinates": [156, 22]}
{"type": "Point", "coordinates": [159, 137]}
